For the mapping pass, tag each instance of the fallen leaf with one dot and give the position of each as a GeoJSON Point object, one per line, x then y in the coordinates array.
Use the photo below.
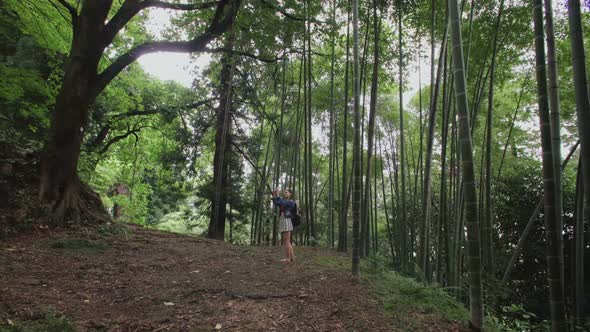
{"type": "Point", "coordinates": [9, 321]}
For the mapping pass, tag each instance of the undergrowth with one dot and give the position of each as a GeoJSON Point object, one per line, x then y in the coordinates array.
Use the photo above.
{"type": "Point", "coordinates": [76, 244]}
{"type": "Point", "coordinates": [412, 304]}
{"type": "Point", "coordinates": [406, 299]}
{"type": "Point", "coordinates": [48, 323]}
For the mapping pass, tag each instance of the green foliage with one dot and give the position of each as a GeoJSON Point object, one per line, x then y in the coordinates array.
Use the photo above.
{"type": "Point", "coordinates": [176, 222]}
{"type": "Point", "coordinates": [50, 322]}
{"type": "Point", "coordinates": [517, 193]}
{"type": "Point", "coordinates": [30, 79]}
{"type": "Point", "coordinates": [376, 263]}
{"type": "Point", "coordinates": [401, 296]}
{"type": "Point", "coordinates": [75, 244]}
{"type": "Point", "coordinates": [514, 318]}
{"type": "Point", "coordinates": [47, 22]}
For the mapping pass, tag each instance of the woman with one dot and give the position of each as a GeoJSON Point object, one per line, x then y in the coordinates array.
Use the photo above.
{"type": "Point", "coordinates": [287, 209]}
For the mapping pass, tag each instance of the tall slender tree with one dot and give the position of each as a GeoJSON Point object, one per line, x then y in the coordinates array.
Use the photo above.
{"type": "Point", "coordinates": [356, 177]}
{"type": "Point", "coordinates": [372, 115]}
{"type": "Point", "coordinates": [582, 108]}
{"type": "Point", "coordinates": [555, 123]}
{"type": "Point", "coordinates": [403, 218]}
{"type": "Point", "coordinates": [222, 145]}
{"type": "Point", "coordinates": [332, 157]}
{"type": "Point", "coordinates": [552, 232]}
{"type": "Point", "coordinates": [310, 176]}
{"type": "Point", "coordinates": [472, 220]}
{"type": "Point", "coordinates": [579, 297]}
{"type": "Point", "coordinates": [423, 255]}
{"type": "Point", "coordinates": [487, 228]}
{"type": "Point", "coordinates": [343, 229]}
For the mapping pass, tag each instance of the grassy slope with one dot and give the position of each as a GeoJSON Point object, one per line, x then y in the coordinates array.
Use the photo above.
{"type": "Point", "coordinates": [411, 305]}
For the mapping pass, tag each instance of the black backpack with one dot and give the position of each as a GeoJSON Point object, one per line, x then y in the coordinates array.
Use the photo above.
{"type": "Point", "coordinates": [296, 217]}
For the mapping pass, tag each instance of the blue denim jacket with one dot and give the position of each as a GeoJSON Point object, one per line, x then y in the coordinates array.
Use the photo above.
{"type": "Point", "coordinates": [289, 205]}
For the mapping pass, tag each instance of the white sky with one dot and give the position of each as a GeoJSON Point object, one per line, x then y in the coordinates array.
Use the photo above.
{"type": "Point", "coordinates": [182, 67]}
{"type": "Point", "coordinates": [179, 67]}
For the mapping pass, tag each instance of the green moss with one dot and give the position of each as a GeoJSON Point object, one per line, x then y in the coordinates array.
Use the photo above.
{"type": "Point", "coordinates": [332, 262]}
{"type": "Point", "coordinates": [74, 244]}
{"type": "Point", "coordinates": [114, 229]}
{"type": "Point", "coordinates": [49, 323]}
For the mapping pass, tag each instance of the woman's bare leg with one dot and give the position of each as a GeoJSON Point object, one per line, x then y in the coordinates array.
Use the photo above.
{"type": "Point", "coordinates": [285, 239]}
{"type": "Point", "coordinates": [290, 247]}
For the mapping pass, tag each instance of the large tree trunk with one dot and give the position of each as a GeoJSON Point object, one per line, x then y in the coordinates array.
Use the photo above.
{"type": "Point", "coordinates": [222, 147]}
{"type": "Point", "coordinates": [60, 185]}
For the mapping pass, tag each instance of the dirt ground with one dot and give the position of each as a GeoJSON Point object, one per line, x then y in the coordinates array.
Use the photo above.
{"type": "Point", "coordinates": [153, 281]}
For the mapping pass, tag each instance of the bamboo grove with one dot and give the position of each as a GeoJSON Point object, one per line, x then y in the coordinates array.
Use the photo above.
{"type": "Point", "coordinates": [446, 140]}
{"type": "Point", "coordinates": [384, 201]}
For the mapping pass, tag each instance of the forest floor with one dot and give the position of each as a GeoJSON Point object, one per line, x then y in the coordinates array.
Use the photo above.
{"type": "Point", "coordinates": [145, 280]}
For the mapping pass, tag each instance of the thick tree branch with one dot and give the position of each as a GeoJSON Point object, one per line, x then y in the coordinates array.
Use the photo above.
{"type": "Point", "coordinates": [286, 14]}
{"type": "Point", "coordinates": [299, 51]}
{"type": "Point", "coordinates": [161, 110]}
{"type": "Point", "coordinates": [224, 17]}
{"type": "Point", "coordinates": [178, 6]}
{"type": "Point", "coordinates": [199, 103]}
{"type": "Point", "coordinates": [119, 138]}
{"type": "Point", "coordinates": [261, 58]}
{"type": "Point", "coordinates": [130, 8]}
{"type": "Point", "coordinates": [73, 12]}
{"type": "Point", "coordinates": [246, 54]}
{"type": "Point", "coordinates": [102, 135]}
{"type": "Point", "coordinates": [138, 113]}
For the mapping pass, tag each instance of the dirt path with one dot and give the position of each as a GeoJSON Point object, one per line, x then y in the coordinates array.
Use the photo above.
{"type": "Point", "coordinates": [154, 281]}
